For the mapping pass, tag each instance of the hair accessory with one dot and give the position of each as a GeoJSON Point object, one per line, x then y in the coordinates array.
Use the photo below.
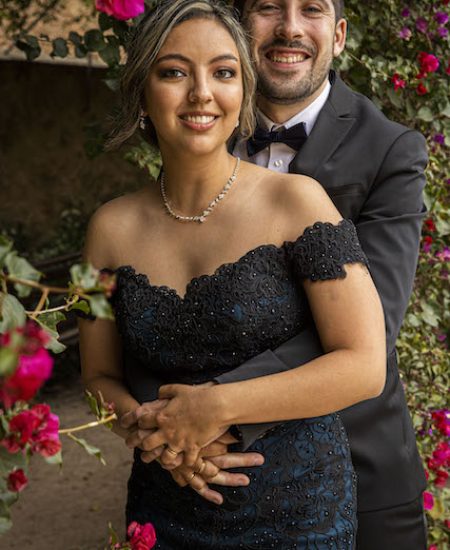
{"type": "Point", "coordinates": [202, 217]}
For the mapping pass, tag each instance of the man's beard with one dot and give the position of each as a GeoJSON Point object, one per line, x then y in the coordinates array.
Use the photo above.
{"type": "Point", "coordinates": [286, 91]}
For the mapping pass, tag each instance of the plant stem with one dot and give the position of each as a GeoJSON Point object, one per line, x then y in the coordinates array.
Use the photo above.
{"type": "Point", "coordinates": [68, 431]}
{"type": "Point", "coordinates": [69, 303]}
{"type": "Point", "coordinates": [34, 284]}
{"type": "Point", "coordinates": [41, 303]}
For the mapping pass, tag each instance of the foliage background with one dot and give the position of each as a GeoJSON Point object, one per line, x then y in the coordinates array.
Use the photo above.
{"type": "Point", "coordinates": [385, 59]}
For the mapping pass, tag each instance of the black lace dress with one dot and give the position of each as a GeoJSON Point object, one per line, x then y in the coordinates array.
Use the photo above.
{"type": "Point", "coordinates": [303, 496]}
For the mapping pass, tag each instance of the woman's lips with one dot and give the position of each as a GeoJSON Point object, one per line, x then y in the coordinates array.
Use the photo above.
{"type": "Point", "coordinates": [198, 121]}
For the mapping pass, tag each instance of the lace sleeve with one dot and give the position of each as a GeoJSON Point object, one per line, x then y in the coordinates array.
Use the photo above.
{"type": "Point", "coordinates": [323, 249]}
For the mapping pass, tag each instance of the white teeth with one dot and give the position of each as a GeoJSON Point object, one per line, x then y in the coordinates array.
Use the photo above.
{"type": "Point", "coordinates": [199, 119]}
{"type": "Point", "coordinates": [288, 59]}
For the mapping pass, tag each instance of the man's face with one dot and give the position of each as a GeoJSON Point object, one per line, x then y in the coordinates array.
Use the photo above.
{"type": "Point", "coordinates": [293, 44]}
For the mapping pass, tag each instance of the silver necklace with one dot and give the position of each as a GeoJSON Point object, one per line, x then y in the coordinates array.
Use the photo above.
{"type": "Point", "coordinates": [202, 217]}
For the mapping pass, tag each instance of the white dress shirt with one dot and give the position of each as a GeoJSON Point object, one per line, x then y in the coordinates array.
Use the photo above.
{"type": "Point", "coordinates": [278, 156]}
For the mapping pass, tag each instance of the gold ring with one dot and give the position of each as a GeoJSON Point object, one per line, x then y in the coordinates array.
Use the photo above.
{"type": "Point", "coordinates": [171, 451]}
{"type": "Point", "coordinates": [192, 477]}
{"type": "Point", "coordinates": [202, 467]}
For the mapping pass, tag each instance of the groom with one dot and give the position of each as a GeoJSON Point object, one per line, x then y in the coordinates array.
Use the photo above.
{"type": "Point", "coordinates": [373, 170]}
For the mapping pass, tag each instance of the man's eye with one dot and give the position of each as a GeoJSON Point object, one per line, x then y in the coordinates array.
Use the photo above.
{"type": "Point", "coordinates": [225, 73]}
{"type": "Point", "coordinates": [313, 9]}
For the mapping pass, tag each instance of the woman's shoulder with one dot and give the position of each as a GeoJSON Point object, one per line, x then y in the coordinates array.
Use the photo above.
{"type": "Point", "coordinates": [111, 225]}
{"type": "Point", "coordinates": [298, 201]}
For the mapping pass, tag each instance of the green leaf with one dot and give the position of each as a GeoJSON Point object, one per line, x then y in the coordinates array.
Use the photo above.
{"type": "Point", "coordinates": [396, 98]}
{"type": "Point", "coordinates": [80, 51]}
{"type": "Point", "coordinates": [8, 361]}
{"type": "Point", "coordinates": [446, 110]}
{"type": "Point", "coordinates": [12, 312]}
{"type": "Point", "coordinates": [90, 449]}
{"type": "Point", "coordinates": [30, 46]}
{"type": "Point", "coordinates": [49, 322]}
{"type": "Point", "coordinates": [100, 307]}
{"type": "Point", "coordinates": [82, 305]}
{"type": "Point", "coordinates": [93, 404]}
{"type": "Point", "coordinates": [84, 276]}
{"type": "Point", "coordinates": [110, 55]}
{"type": "Point", "coordinates": [60, 48]}
{"type": "Point", "coordinates": [55, 459]}
{"type": "Point", "coordinates": [9, 461]}
{"type": "Point", "coordinates": [93, 40]}
{"type": "Point", "coordinates": [429, 315]}
{"type": "Point", "coordinates": [75, 38]}
{"type": "Point", "coordinates": [5, 518]}
{"type": "Point", "coordinates": [5, 247]}
{"type": "Point", "coordinates": [104, 21]}
{"type": "Point", "coordinates": [19, 267]}
{"type": "Point", "coordinates": [426, 114]}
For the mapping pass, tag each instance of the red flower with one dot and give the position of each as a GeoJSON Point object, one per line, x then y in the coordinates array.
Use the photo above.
{"type": "Point", "coordinates": [421, 89]}
{"type": "Point", "coordinates": [142, 537]}
{"type": "Point", "coordinates": [29, 376]}
{"type": "Point", "coordinates": [429, 63]}
{"type": "Point", "coordinates": [442, 421]}
{"type": "Point", "coordinates": [17, 481]}
{"type": "Point", "coordinates": [442, 454]}
{"type": "Point", "coordinates": [121, 9]}
{"type": "Point", "coordinates": [23, 425]}
{"type": "Point", "coordinates": [398, 82]}
{"type": "Point", "coordinates": [441, 479]}
{"type": "Point", "coordinates": [428, 500]}
{"type": "Point", "coordinates": [447, 70]}
{"type": "Point", "coordinates": [430, 224]}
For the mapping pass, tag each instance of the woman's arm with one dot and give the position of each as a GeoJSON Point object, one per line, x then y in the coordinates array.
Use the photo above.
{"type": "Point", "coordinates": [350, 322]}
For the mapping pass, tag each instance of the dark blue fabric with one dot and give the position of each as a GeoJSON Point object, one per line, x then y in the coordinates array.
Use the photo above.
{"type": "Point", "coordinates": [304, 494]}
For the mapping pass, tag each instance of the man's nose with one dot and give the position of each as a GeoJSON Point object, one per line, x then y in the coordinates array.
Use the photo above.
{"type": "Point", "coordinates": [290, 26]}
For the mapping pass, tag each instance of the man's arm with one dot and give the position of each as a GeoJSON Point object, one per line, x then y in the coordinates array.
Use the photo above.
{"type": "Point", "coordinates": [389, 227]}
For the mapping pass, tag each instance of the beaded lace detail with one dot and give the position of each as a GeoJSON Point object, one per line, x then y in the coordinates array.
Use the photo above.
{"type": "Point", "coordinates": [304, 494]}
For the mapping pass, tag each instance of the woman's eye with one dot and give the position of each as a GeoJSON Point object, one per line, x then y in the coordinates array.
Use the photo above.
{"type": "Point", "coordinates": [225, 73]}
{"type": "Point", "coordinates": [171, 73]}
{"type": "Point", "coordinates": [267, 8]}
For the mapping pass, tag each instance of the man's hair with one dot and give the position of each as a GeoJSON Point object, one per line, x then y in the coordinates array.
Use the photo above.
{"type": "Point", "coordinates": [338, 7]}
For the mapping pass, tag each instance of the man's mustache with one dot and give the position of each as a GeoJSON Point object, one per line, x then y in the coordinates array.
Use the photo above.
{"type": "Point", "coordinates": [290, 44]}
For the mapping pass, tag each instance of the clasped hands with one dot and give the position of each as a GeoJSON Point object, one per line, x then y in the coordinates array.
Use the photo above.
{"type": "Point", "coordinates": [184, 431]}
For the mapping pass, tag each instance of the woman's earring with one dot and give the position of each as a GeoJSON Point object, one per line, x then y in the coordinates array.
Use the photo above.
{"type": "Point", "coordinates": [237, 123]}
{"type": "Point", "coordinates": [143, 122]}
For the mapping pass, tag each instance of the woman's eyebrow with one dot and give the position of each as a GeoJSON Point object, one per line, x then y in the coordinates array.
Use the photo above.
{"type": "Point", "coordinates": [179, 57]}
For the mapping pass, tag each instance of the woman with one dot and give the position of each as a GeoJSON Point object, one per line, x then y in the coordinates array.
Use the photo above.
{"type": "Point", "coordinates": [281, 248]}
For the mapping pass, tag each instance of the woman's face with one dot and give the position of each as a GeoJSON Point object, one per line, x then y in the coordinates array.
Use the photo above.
{"type": "Point", "coordinates": [194, 90]}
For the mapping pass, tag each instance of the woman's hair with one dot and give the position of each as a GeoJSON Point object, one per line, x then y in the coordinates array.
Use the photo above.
{"type": "Point", "coordinates": [144, 47]}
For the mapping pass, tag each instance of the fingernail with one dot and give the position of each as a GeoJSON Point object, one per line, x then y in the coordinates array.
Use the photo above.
{"type": "Point", "coordinates": [258, 461]}
{"type": "Point", "coordinates": [218, 500]}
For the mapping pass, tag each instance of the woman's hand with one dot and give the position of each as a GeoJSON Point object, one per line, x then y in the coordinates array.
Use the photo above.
{"type": "Point", "coordinates": [190, 420]}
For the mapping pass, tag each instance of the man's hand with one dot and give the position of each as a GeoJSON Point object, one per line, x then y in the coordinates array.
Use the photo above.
{"type": "Point", "coordinates": [211, 469]}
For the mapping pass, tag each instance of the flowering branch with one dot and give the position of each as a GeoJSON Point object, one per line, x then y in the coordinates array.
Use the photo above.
{"type": "Point", "coordinates": [68, 431]}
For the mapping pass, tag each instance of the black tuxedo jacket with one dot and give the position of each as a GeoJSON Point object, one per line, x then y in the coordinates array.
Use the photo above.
{"type": "Point", "coordinates": [373, 170]}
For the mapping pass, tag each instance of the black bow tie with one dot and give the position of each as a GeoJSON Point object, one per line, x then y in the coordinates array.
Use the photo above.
{"type": "Point", "coordinates": [295, 137]}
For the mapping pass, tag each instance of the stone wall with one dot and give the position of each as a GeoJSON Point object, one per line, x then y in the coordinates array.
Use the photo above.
{"type": "Point", "coordinates": [44, 169]}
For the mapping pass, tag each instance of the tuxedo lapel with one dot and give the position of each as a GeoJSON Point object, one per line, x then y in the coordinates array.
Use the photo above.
{"type": "Point", "coordinates": [333, 124]}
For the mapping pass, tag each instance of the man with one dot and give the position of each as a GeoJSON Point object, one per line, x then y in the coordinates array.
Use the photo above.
{"type": "Point", "coordinates": [373, 169]}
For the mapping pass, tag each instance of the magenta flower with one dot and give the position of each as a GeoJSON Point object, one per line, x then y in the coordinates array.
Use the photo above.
{"type": "Point", "coordinates": [17, 481]}
{"type": "Point", "coordinates": [398, 82]}
{"type": "Point", "coordinates": [121, 9]}
{"type": "Point", "coordinates": [429, 63]}
{"type": "Point", "coordinates": [444, 254]}
{"type": "Point", "coordinates": [441, 17]}
{"type": "Point", "coordinates": [421, 24]}
{"type": "Point", "coordinates": [405, 12]}
{"type": "Point", "coordinates": [405, 33]}
{"type": "Point", "coordinates": [439, 138]}
{"type": "Point", "coordinates": [142, 537]}
{"type": "Point", "coordinates": [428, 500]}
{"type": "Point", "coordinates": [442, 32]}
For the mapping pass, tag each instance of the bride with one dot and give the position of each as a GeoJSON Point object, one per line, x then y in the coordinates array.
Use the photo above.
{"type": "Point", "coordinates": [216, 262]}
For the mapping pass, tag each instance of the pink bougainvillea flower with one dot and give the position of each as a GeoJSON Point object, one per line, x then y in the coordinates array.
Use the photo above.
{"type": "Point", "coordinates": [439, 138]}
{"type": "Point", "coordinates": [405, 12]}
{"type": "Point", "coordinates": [421, 89]}
{"type": "Point", "coordinates": [22, 426]}
{"type": "Point", "coordinates": [441, 479]}
{"type": "Point", "coordinates": [421, 24]}
{"type": "Point", "coordinates": [17, 481]}
{"type": "Point", "coordinates": [441, 17]}
{"type": "Point", "coordinates": [405, 33]}
{"type": "Point", "coordinates": [45, 440]}
{"type": "Point", "coordinates": [142, 537]}
{"type": "Point", "coordinates": [429, 63]}
{"type": "Point", "coordinates": [444, 256]}
{"type": "Point", "coordinates": [433, 547]}
{"type": "Point", "coordinates": [428, 500]}
{"type": "Point", "coordinates": [398, 82]}
{"type": "Point", "coordinates": [427, 242]}
{"type": "Point", "coordinates": [441, 419]}
{"type": "Point", "coordinates": [447, 69]}
{"type": "Point", "coordinates": [29, 376]}
{"type": "Point", "coordinates": [441, 454]}
{"type": "Point", "coordinates": [442, 32]}
{"type": "Point", "coordinates": [121, 9]}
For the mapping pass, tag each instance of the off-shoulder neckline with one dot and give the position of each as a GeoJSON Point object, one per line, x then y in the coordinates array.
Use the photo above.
{"type": "Point", "coordinates": [128, 269]}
